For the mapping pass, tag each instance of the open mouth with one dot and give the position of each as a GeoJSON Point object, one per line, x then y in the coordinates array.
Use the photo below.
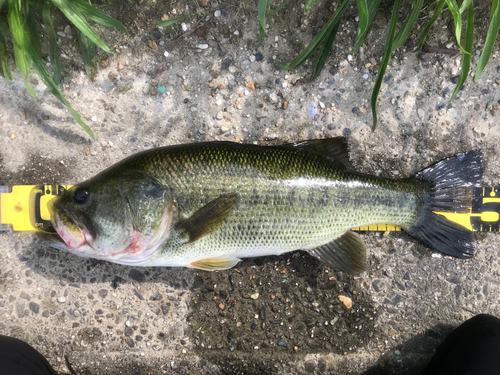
{"type": "Point", "coordinates": [70, 233]}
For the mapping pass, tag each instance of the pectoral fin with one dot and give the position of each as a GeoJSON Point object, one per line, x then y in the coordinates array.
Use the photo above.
{"type": "Point", "coordinates": [209, 218]}
{"type": "Point", "coordinates": [215, 264]}
{"type": "Point", "coordinates": [346, 253]}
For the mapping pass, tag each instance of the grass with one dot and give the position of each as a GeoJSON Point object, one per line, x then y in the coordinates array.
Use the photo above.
{"type": "Point", "coordinates": [20, 31]}
{"type": "Point", "coordinates": [24, 34]}
{"type": "Point", "coordinates": [321, 44]}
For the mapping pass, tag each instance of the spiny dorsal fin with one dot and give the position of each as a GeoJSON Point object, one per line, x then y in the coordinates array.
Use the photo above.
{"type": "Point", "coordinates": [346, 253]}
{"type": "Point", "coordinates": [336, 148]}
{"type": "Point", "coordinates": [215, 264]}
{"type": "Point", "coordinates": [209, 218]}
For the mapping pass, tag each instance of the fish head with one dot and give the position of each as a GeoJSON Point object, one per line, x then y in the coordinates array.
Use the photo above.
{"type": "Point", "coordinates": [119, 217]}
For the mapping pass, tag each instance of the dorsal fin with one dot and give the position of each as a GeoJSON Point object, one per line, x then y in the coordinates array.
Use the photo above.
{"type": "Point", "coordinates": [336, 148]}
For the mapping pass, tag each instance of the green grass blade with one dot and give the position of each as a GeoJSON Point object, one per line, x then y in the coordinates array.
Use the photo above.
{"type": "Point", "coordinates": [427, 28]}
{"type": "Point", "coordinates": [491, 36]}
{"type": "Point", "coordinates": [98, 16]}
{"type": "Point", "coordinates": [318, 39]}
{"type": "Point", "coordinates": [32, 30]}
{"type": "Point", "coordinates": [173, 21]}
{"type": "Point", "coordinates": [3, 62]}
{"type": "Point", "coordinates": [19, 38]}
{"type": "Point", "coordinates": [385, 61]}
{"type": "Point", "coordinates": [309, 5]}
{"type": "Point", "coordinates": [262, 6]}
{"type": "Point", "coordinates": [405, 31]}
{"type": "Point", "coordinates": [364, 21]}
{"type": "Point", "coordinates": [54, 49]}
{"type": "Point", "coordinates": [364, 24]}
{"type": "Point", "coordinates": [88, 50]}
{"type": "Point", "coordinates": [39, 66]}
{"type": "Point", "coordinates": [466, 57]}
{"type": "Point", "coordinates": [77, 18]}
{"type": "Point", "coordinates": [464, 6]}
{"type": "Point", "coordinates": [325, 51]}
{"type": "Point", "coordinates": [457, 19]}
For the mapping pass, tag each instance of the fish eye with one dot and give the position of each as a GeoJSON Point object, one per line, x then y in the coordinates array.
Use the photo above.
{"type": "Point", "coordinates": [81, 195]}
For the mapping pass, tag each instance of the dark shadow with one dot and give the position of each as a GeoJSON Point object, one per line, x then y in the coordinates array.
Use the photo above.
{"type": "Point", "coordinates": [65, 135]}
{"type": "Point", "coordinates": [411, 357]}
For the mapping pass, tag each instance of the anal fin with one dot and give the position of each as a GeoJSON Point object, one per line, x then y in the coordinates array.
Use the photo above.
{"type": "Point", "coordinates": [346, 253]}
{"type": "Point", "coordinates": [215, 264]}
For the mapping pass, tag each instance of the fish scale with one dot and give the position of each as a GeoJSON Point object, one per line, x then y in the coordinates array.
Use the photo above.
{"type": "Point", "coordinates": [279, 209]}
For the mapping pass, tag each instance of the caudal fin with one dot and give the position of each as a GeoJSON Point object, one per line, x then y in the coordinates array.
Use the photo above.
{"type": "Point", "coordinates": [449, 187]}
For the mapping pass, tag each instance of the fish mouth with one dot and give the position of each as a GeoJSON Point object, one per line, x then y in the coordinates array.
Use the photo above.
{"type": "Point", "coordinates": [68, 231]}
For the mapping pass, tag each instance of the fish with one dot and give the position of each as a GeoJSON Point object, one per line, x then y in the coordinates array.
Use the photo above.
{"type": "Point", "coordinates": [208, 205]}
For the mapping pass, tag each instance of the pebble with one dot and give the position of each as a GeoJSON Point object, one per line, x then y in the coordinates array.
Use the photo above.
{"type": "Point", "coordinates": [116, 282]}
{"type": "Point", "coordinates": [147, 88]}
{"type": "Point", "coordinates": [138, 295]}
{"type": "Point", "coordinates": [313, 110]}
{"type": "Point", "coordinates": [61, 299]}
{"type": "Point", "coordinates": [103, 293]}
{"type": "Point", "coordinates": [217, 13]}
{"type": "Point", "coordinates": [201, 131]}
{"type": "Point", "coordinates": [165, 54]}
{"type": "Point", "coordinates": [273, 97]}
{"type": "Point", "coordinates": [259, 57]}
{"type": "Point", "coordinates": [233, 69]}
{"type": "Point", "coordinates": [262, 313]}
{"type": "Point", "coordinates": [421, 114]}
{"type": "Point", "coordinates": [365, 76]}
{"type": "Point", "coordinates": [252, 58]}
{"type": "Point", "coordinates": [310, 366]}
{"type": "Point", "coordinates": [220, 115]}
{"type": "Point", "coordinates": [231, 277]}
{"type": "Point", "coordinates": [333, 70]}
{"type": "Point", "coordinates": [226, 63]}
{"type": "Point", "coordinates": [184, 27]}
{"type": "Point", "coordinates": [346, 301]}
{"type": "Point", "coordinates": [25, 296]}
{"type": "Point", "coordinates": [440, 106]}
{"type": "Point", "coordinates": [282, 343]}
{"type": "Point", "coordinates": [254, 296]}
{"type": "Point", "coordinates": [349, 57]}
{"type": "Point", "coordinates": [202, 46]}
{"type": "Point", "coordinates": [137, 276]}
{"type": "Point", "coordinates": [165, 309]}
{"type": "Point", "coordinates": [34, 307]}
{"type": "Point", "coordinates": [378, 285]}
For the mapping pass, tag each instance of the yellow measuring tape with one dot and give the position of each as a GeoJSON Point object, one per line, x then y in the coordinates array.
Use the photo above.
{"type": "Point", "coordinates": [28, 208]}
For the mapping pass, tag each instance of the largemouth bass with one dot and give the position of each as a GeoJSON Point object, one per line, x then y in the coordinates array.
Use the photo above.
{"type": "Point", "coordinates": [207, 205]}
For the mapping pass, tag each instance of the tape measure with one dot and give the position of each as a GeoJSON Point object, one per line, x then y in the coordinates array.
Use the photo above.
{"type": "Point", "coordinates": [28, 208]}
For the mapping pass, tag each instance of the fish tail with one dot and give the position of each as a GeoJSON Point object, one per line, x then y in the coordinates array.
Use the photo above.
{"type": "Point", "coordinates": [449, 186]}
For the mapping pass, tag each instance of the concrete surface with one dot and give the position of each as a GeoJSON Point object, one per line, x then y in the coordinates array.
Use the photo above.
{"type": "Point", "coordinates": [93, 317]}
